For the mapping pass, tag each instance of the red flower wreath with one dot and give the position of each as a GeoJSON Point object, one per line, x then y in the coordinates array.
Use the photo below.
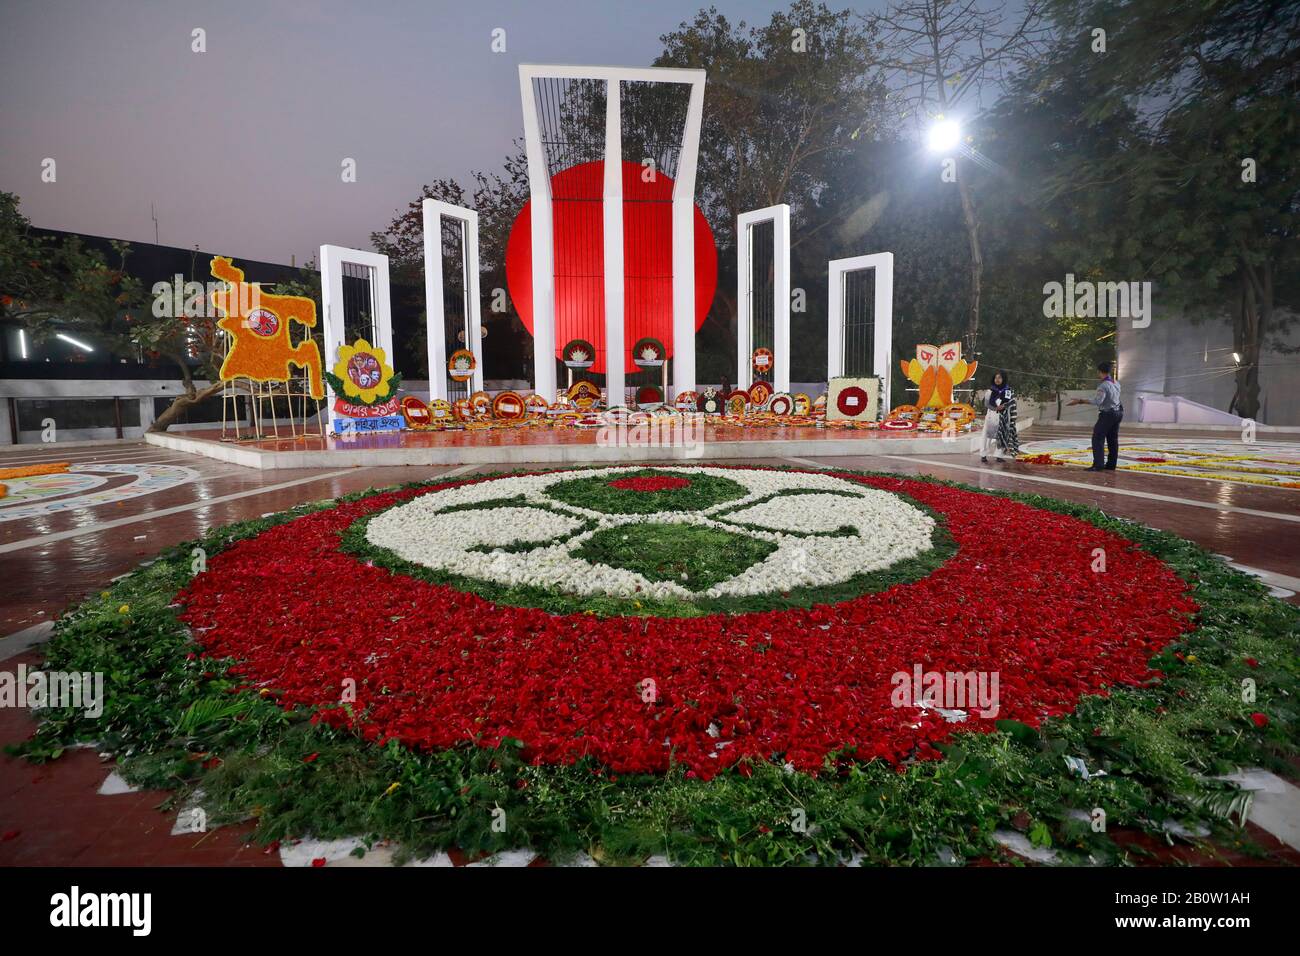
{"type": "Point", "coordinates": [437, 667]}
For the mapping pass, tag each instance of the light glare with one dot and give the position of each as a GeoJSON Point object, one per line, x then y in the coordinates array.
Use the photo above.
{"type": "Point", "coordinates": [71, 341]}
{"type": "Point", "coordinates": [944, 136]}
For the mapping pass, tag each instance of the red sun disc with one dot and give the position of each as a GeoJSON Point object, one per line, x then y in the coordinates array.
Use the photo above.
{"type": "Point", "coordinates": [578, 219]}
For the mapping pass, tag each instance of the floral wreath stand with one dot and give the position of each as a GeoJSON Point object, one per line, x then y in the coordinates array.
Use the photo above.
{"type": "Point", "coordinates": [460, 372]}
{"type": "Point", "coordinates": [579, 354]}
{"type": "Point", "coordinates": [295, 392]}
{"type": "Point", "coordinates": [649, 353]}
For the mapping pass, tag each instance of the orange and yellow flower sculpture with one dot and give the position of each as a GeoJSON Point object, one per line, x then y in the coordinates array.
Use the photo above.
{"type": "Point", "coordinates": [935, 370]}
{"type": "Point", "coordinates": [258, 323]}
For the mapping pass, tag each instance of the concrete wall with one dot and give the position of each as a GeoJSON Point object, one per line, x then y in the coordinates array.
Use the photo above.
{"type": "Point", "coordinates": [1175, 356]}
{"type": "Point", "coordinates": [141, 392]}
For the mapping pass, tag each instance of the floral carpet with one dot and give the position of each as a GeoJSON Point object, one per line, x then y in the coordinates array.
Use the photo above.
{"type": "Point", "coordinates": [463, 644]}
{"type": "Point", "coordinates": [716, 664]}
{"type": "Point", "coordinates": [80, 486]}
{"type": "Point", "coordinates": [1271, 463]}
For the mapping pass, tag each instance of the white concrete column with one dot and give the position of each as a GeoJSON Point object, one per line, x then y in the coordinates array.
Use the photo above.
{"type": "Point", "coordinates": [613, 246]}
{"type": "Point", "coordinates": [684, 248]}
{"type": "Point", "coordinates": [433, 212]}
{"type": "Point", "coordinates": [781, 299]}
{"type": "Point", "coordinates": [884, 331]}
{"type": "Point", "coordinates": [435, 314]}
{"type": "Point", "coordinates": [883, 338]}
{"type": "Point", "coordinates": [744, 301]}
{"type": "Point", "coordinates": [779, 216]}
{"type": "Point", "coordinates": [542, 236]}
{"type": "Point", "coordinates": [473, 302]}
{"type": "Point", "coordinates": [834, 322]}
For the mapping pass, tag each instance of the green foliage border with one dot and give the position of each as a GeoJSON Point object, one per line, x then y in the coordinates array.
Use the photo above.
{"type": "Point", "coordinates": [169, 713]}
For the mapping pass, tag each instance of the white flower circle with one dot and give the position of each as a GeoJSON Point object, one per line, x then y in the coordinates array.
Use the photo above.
{"type": "Point", "coordinates": [508, 531]}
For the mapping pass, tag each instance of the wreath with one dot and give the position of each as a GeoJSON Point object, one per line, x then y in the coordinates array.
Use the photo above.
{"type": "Point", "coordinates": [461, 365]}
{"type": "Point", "coordinates": [959, 413]}
{"type": "Point", "coordinates": [584, 394]}
{"type": "Point", "coordinates": [648, 353]}
{"type": "Point", "coordinates": [509, 406]}
{"type": "Point", "coordinates": [649, 395]}
{"type": "Point", "coordinates": [362, 375]}
{"type": "Point", "coordinates": [762, 361]}
{"type": "Point", "coordinates": [536, 405]}
{"type": "Point", "coordinates": [579, 353]}
{"type": "Point", "coordinates": [415, 412]}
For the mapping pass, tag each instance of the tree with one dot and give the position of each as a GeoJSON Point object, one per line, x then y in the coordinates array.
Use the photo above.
{"type": "Point", "coordinates": [497, 197]}
{"type": "Point", "coordinates": [61, 286]}
{"type": "Point", "coordinates": [53, 286]}
{"type": "Point", "coordinates": [942, 54]}
{"type": "Point", "coordinates": [784, 104]}
{"type": "Point", "coordinates": [1200, 195]}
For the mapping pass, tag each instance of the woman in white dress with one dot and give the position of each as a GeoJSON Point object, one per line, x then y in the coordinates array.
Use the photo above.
{"type": "Point", "coordinates": [1000, 420]}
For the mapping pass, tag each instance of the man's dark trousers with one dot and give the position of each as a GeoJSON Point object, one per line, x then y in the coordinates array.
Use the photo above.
{"type": "Point", "coordinates": [1106, 433]}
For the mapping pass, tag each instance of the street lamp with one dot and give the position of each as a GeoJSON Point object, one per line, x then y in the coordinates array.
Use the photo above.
{"type": "Point", "coordinates": [945, 135]}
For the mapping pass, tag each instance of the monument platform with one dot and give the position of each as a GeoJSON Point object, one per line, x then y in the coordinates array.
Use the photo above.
{"type": "Point", "coordinates": [523, 446]}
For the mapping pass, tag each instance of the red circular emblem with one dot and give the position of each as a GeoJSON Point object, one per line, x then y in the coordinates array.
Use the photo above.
{"type": "Point", "coordinates": [852, 402]}
{"type": "Point", "coordinates": [578, 216]}
{"type": "Point", "coordinates": [263, 322]}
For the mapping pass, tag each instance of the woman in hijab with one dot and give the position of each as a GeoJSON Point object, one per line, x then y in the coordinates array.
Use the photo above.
{"type": "Point", "coordinates": [1000, 420]}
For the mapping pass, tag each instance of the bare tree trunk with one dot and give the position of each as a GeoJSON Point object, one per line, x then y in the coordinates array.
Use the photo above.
{"type": "Point", "coordinates": [191, 398]}
{"type": "Point", "coordinates": [1250, 322]}
{"type": "Point", "coordinates": [976, 262]}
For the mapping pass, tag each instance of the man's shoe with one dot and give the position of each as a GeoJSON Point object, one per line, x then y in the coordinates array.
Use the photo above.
{"type": "Point", "coordinates": [1109, 468]}
{"type": "Point", "coordinates": [984, 458]}
{"type": "Point", "coordinates": [1094, 468]}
